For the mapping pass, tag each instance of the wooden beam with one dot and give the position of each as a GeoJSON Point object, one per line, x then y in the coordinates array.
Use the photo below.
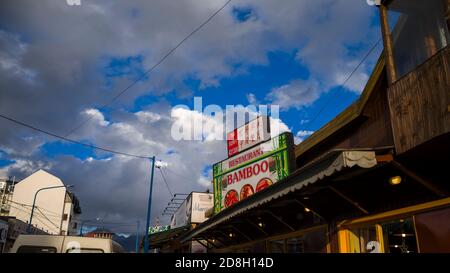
{"type": "Point", "coordinates": [242, 233]}
{"type": "Point", "coordinates": [313, 211]}
{"type": "Point", "coordinates": [388, 46]}
{"type": "Point", "coordinates": [355, 204]}
{"type": "Point", "coordinates": [280, 220]}
{"type": "Point", "coordinates": [258, 227]}
{"type": "Point", "coordinates": [384, 158]}
{"type": "Point", "coordinates": [198, 241]}
{"type": "Point", "coordinates": [424, 182]}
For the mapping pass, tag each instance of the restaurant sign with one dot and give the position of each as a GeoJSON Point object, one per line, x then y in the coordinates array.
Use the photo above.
{"type": "Point", "coordinates": [252, 171]}
{"type": "Point", "coordinates": [248, 135]}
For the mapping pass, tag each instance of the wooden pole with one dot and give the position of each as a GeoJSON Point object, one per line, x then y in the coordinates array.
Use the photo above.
{"type": "Point", "coordinates": [388, 47]}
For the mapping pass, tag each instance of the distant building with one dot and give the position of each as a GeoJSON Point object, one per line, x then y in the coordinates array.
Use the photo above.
{"type": "Point", "coordinates": [101, 233]}
{"type": "Point", "coordinates": [56, 210]}
{"type": "Point", "coordinates": [6, 192]}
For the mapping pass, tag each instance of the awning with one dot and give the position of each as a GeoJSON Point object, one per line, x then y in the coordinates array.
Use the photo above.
{"type": "Point", "coordinates": [327, 165]}
{"type": "Point", "coordinates": [160, 238]}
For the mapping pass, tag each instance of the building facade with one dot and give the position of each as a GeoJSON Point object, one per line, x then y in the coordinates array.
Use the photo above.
{"type": "Point", "coordinates": [375, 178]}
{"type": "Point", "coordinates": [56, 210]}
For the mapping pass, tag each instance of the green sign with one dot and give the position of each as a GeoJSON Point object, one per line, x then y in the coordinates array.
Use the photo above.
{"type": "Point", "coordinates": [252, 171]}
{"type": "Point", "coordinates": [156, 229]}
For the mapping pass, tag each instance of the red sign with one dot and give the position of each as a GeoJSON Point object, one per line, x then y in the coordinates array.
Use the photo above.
{"type": "Point", "coordinates": [244, 137]}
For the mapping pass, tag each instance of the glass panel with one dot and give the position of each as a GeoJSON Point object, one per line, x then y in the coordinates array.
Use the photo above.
{"type": "Point", "coordinates": [399, 236]}
{"type": "Point", "coordinates": [315, 242]}
{"type": "Point", "coordinates": [36, 249]}
{"type": "Point", "coordinates": [295, 245]}
{"type": "Point", "coordinates": [420, 31]}
{"type": "Point", "coordinates": [84, 250]}
{"type": "Point", "coordinates": [259, 247]}
{"type": "Point", "coordinates": [363, 240]}
{"type": "Point", "coordinates": [276, 246]}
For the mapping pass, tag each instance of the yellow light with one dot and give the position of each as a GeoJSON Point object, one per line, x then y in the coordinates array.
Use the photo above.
{"type": "Point", "coordinates": [231, 235]}
{"type": "Point", "coordinates": [307, 210]}
{"type": "Point", "coordinates": [403, 235]}
{"type": "Point", "coordinates": [396, 246]}
{"type": "Point", "coordinates": [395, 180]}
{"type": "Point", "coordinates": [260, 224]}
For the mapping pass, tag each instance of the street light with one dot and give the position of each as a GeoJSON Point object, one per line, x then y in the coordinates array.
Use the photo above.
{"type": "Point", "coordinates": [34, 201]}
{"type": "Point", "coordinates": [85, 221]}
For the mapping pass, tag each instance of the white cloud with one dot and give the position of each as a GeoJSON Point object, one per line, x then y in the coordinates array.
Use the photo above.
{"type": "Point", "coordinates": [302, 135]}
{"type": "Point", "coordinates": [295, 94]}
{"type": "Point", "coordinates": [96, 116]}
{"type": "Point", "coordinates": [251, 98]}
{"type": "Point", "coordinates": [148, 117]}
{"type": "Point", "coordinates": [204, 181]}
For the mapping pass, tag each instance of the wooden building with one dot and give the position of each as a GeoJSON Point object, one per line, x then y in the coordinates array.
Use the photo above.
{"type": "Point", "coordinates": [375, 178]}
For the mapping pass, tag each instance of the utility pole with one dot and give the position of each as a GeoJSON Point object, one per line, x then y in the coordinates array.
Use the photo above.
{"type": "Point", "coordinates": [137, 236]}
{"type": "Point", "coordinates": [149, 209]}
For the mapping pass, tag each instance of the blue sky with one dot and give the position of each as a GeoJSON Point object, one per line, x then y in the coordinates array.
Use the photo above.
{"type": "Point", "coordinates": [59, 64]}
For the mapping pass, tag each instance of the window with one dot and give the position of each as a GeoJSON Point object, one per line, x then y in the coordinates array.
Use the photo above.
{"type": "Point", "coordinates": [361, 239]}
{"type": "Point", "coordinates": [276, 246]}
{"type": "Point", "coordinates": [399, 236]}
{"type": "Point", "coordinates": [396, 236]}
{"type": "Point", "coordinates": [84, 250]}
{"type": "Point", "coordinates": [36, 249]}
{"type": "Point", "coordinates": [295, 245]}
{"type": "Point", "coordinates": [65, 217]}
{"type": "Point", "coordinates": [419, 30]}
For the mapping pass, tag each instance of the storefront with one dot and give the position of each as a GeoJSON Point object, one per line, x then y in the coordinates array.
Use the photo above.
{"type": "Point", "coordinates": [189, 213]}
{"type": "Point", "coordinates": [375, 178]}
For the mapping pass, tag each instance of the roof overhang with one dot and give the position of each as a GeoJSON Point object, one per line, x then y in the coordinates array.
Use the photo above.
{"type": "Point", "coordinates": [326, 166]}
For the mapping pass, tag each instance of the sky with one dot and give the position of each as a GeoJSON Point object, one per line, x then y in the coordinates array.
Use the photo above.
{"type": "Point", "coordinates": [60, 65]}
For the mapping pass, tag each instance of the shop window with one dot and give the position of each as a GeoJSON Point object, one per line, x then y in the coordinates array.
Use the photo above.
{"type": "Point", "coordinates": [364, 240]}
{"type": "Point", "coordinates": [276, 246]}
{"type": "Point", "coordinates": [419, 30]}
{"type": "Point", "coordinates": [399, 236]}
{"type": "Point", "coordinates": [295, 245]}
{"type": "Point", "coordinates": [389, 237]}
{"type": "Point", "coordinates": [315, 241]}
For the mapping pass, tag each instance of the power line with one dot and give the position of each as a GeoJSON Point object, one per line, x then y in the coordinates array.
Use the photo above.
{"type": "Point", "coordinates": [154, 66]}
{"type": "Point", "coordinates": [165, 181]}
{"type": "Point", "coordinates": [71, 140]}
{"type": "Point", "coordinates": [346, 80]}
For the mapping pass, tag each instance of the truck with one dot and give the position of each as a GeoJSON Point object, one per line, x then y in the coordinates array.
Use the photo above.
{"type": "Point", "coordinates": [64, 244]}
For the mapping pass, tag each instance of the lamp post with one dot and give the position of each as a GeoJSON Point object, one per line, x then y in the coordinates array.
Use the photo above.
{"type": "Point", "coordinates": [149, 208]}
{"type": "Point", "coordinates": [34, 201]}
{"type": "Point", "coordinates": [85, 221]}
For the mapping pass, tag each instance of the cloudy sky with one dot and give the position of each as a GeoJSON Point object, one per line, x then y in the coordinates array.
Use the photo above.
{"type": "Point", "coordinates": [60, 64]}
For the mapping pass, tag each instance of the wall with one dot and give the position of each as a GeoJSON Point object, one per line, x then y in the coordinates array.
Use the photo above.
{"type": "Point", "coordinates": [49, 203]}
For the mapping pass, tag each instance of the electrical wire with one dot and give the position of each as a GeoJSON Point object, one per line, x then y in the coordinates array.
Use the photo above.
{"type": "Point", "coordinates": [165, 181]}
{"type": "Point", "coordinates": [71, 140]}
{"type": "Point", "coordinates": [332, 98]}
{"type": "Point", "coordinates": [148, 71]}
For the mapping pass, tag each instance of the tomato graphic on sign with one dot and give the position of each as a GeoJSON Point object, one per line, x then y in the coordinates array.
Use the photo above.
{"type": "Point", "coordinates": [246, 191]}
{"type": "Point", "coordinates": [231, 197]}
{"type": "Point", "coordinates": [263, 183]}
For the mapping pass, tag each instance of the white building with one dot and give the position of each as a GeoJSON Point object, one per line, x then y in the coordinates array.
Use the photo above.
{"type": "Point", "coordinates": [56, 210]}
